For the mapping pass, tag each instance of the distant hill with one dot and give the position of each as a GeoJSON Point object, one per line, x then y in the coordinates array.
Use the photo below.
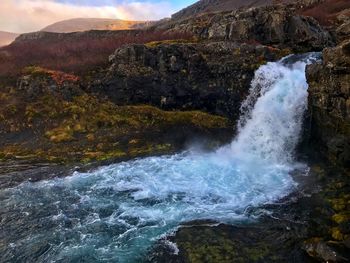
{"type": "Point", "coordinates": [6, 38]}
{"type": "Point", "coordinates": [206, 6]}
{"type": "Point", "coordinates": [85, 24]}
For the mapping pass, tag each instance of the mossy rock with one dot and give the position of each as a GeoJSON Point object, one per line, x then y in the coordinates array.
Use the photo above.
{"type": "Point", "coordinates": [87, 128]}
{"type": "Point", "coordinates": [154, 44]}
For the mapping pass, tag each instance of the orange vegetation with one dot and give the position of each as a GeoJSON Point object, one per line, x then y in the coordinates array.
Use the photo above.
{"type": "Point", "coordinates": [70, 53]}
{"type": "Point", "coordinates": [327, 11]}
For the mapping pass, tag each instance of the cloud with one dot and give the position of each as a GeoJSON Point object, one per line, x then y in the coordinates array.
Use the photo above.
{"type": "Point", "coordinates": [32, 15]}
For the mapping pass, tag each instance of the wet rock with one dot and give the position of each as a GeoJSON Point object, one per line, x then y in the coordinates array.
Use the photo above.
{"type": "Point", "coordinates": [320, 250]}
{"type": "Point", "coordinates": [266, 242]}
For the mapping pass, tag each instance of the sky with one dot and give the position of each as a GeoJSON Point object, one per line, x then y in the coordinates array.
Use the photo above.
{"type": "Point", "coordinates": [21, 16]}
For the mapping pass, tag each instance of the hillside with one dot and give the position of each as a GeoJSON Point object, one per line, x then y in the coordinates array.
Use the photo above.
{"type": "Point", "coordinates": [85, 24]}
{"type": "Point", "coordinates": [71, 52]}
{"type": "Point", "coordinates": [328, 12]}
{"type": "Point", "coordinates": [6, 38]}
{"type": "Point", "coordinates": [205, 6]}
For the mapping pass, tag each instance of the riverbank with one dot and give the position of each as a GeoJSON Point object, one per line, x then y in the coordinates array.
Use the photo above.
{"type": "Point", "coordinates": [310, 225]}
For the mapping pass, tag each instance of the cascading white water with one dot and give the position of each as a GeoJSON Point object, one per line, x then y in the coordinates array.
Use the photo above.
{"type": "Point", "coordinates": [272, 115]}
{"type": "Point", "coordinates": [115, 213]}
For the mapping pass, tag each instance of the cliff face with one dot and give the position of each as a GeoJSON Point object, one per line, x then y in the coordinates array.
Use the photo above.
{"type": "Point", "coordinates": [213, 72]}
{"type": "Point", "coordinates": [213, 77]}
{"type": "Point", "coordinates": [271, 25]}
{"type": "Point", "coordinates": [329, 103]}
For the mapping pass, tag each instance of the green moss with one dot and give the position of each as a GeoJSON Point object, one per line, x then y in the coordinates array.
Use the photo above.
{"type": "Point", "coordinates": [338, 204]}
{"type": "Point", "coordinates": [337, 234]}
{"type": "Point", "coordinates": [59, 135]}
{"type": "Point", "coordinates": [154, 44]}
{"type": "Point", "coordinates": [35, 71]}
{"type": "Point", "coordinates": [102, 156]}
{"type": "Point", "coordinates": [341, 217]}
{"type": "Point", "coordinates": [149, 149]}
{"type": "Point", "coordinates": [257, 253]}
{"type": "Point", "coordinates": [11, 109]}
{"type": "Point", "coordinates": [87, 128]}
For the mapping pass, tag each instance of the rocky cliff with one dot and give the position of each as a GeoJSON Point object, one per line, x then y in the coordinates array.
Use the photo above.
{"type": "Point", "coordinates": [206, 6]}
{"type": "Point", "coordinates": [329, 103]}
{"type": "Point", "coordinates": [278, 25]}
{"type": "Point", "coordinates": [210, 6]}
{"type": "Point", "coordinates": [213, 71]}
{"type": "Point", "coordinates": [212, 77]}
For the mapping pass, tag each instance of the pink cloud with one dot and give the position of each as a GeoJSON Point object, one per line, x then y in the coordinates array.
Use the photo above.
{"type": "Point", "coordinates": [32, 15]}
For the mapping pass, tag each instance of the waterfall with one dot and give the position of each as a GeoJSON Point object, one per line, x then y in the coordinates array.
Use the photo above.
{"type": "Point", "coordinates": [116, 212]}
{"type": "Point", "coordinates": [272, 115]}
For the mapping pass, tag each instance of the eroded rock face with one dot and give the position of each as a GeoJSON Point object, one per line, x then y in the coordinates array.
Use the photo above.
{"type": "Point", "coordinates": [213, 77]}
{"type": "Point", "coordinates": [270, 25]}
{"type": "Point", "coordinates": [329, 100]}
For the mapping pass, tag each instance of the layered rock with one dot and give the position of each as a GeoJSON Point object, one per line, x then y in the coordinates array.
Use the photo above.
{"type": "Point", "coordinates": [329, 102]}
{"type": "Point", "coordinates": [213, 77]}
{"type": "Point", "coordinates": [277, 25]}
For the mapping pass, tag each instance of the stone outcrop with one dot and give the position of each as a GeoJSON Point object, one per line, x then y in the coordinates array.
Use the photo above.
{"type": "Point", "coordinates": [329, 103]}
{"type": "Point", "coordinates": [207, 6]}
{"type": "Point", "coordinates": [92, 34]}
{"type": "Point", "coordinates": [38, 82]}
{"type": "Point", "coordinates": [278, 25]}
{"type": "Point", "coordinates": [213, 77]}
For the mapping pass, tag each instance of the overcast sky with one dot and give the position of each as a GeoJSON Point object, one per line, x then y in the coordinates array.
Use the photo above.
{"type": "Point", "coordinates": [21, 16]}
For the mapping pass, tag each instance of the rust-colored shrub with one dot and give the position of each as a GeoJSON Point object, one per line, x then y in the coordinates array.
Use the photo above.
{"type": "Point", "coordinates": [325, 13]}
{"type": "Point", "coordinates": [76, 54]}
